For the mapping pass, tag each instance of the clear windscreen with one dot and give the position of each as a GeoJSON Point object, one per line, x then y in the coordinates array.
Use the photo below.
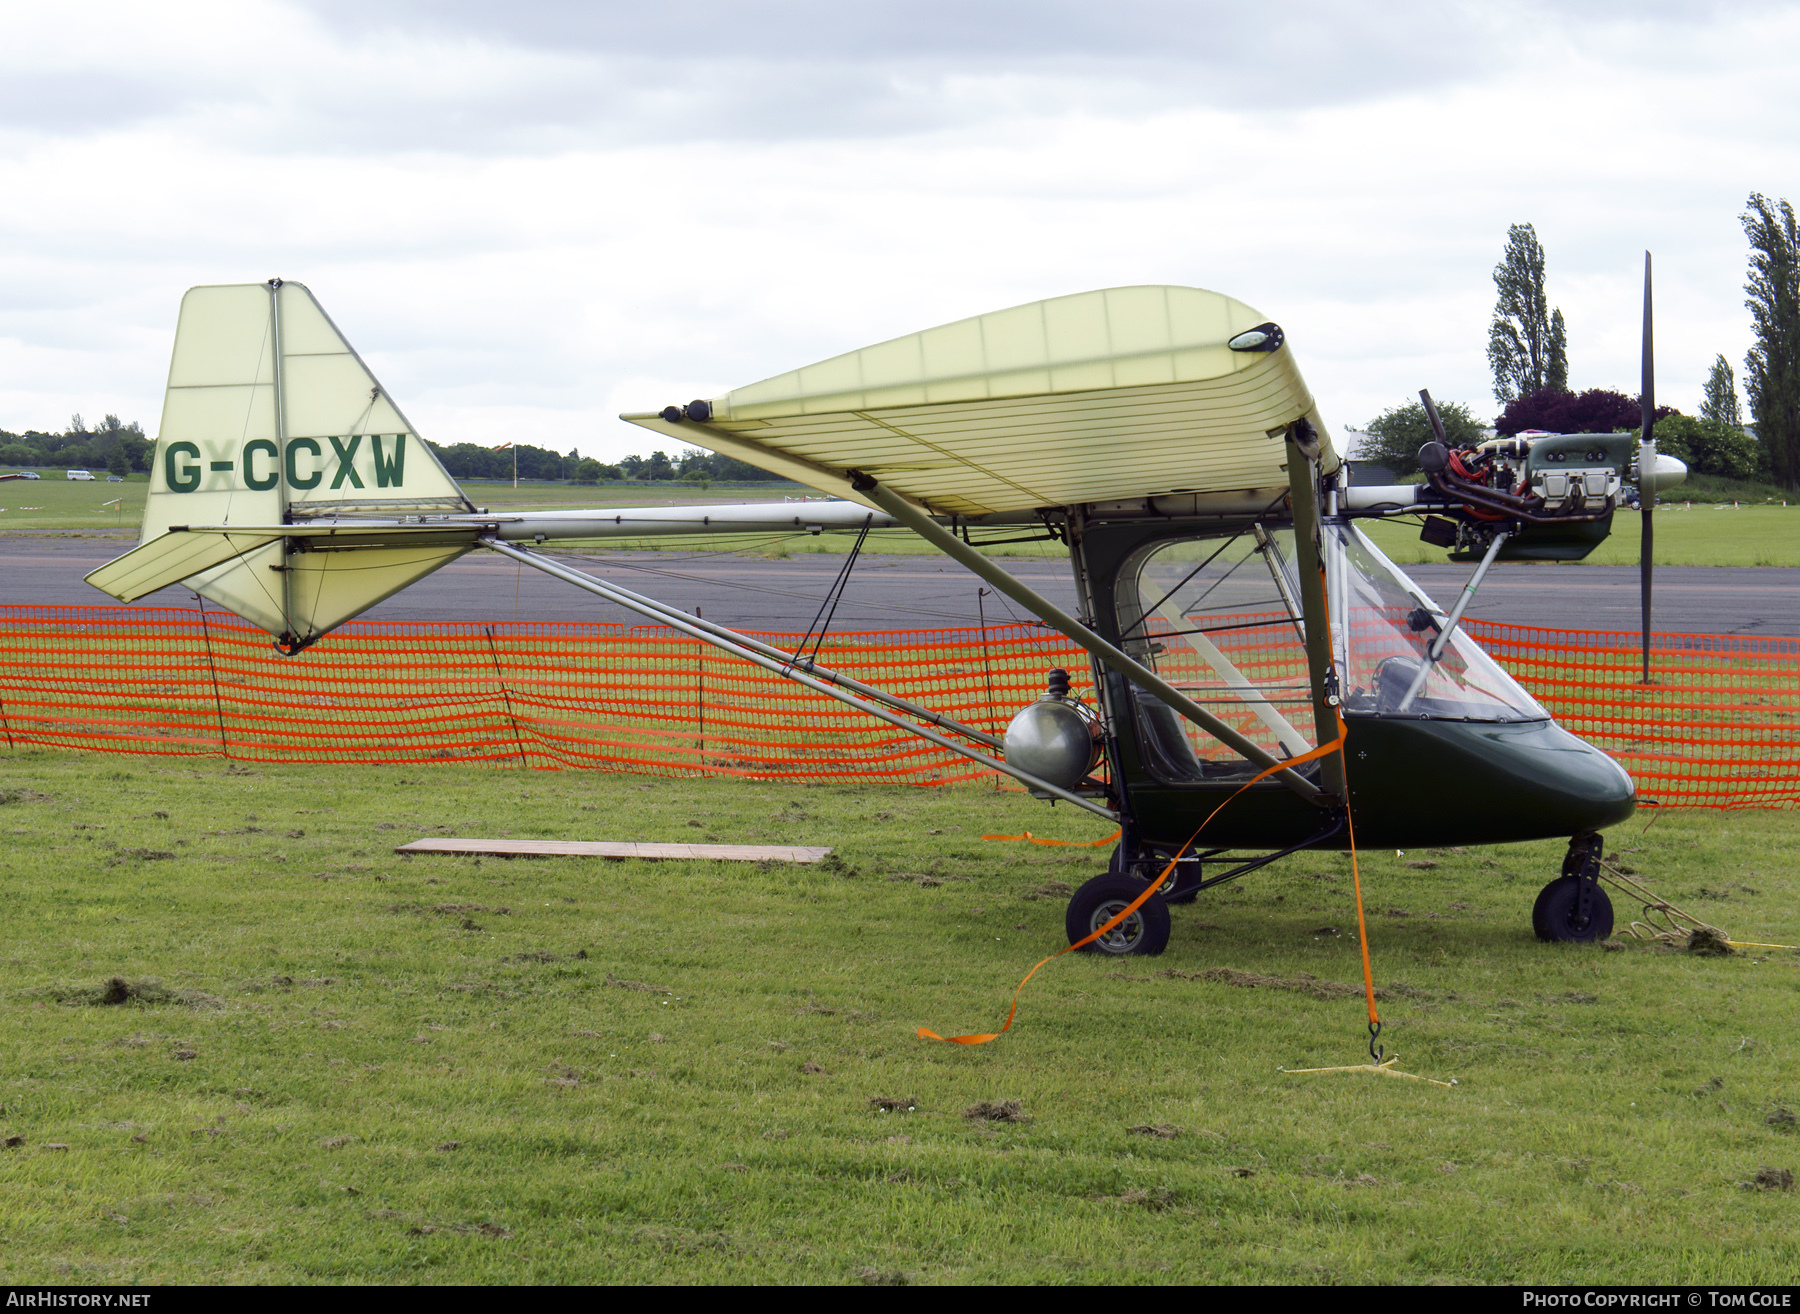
{"type": "Point", "coordinates": [1383, 624]}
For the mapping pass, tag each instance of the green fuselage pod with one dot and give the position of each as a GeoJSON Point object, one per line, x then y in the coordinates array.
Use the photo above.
{"type": "Point", "coordinates": [1414, 783]}
{"type": "Point", "coordinates": [1214, 608]}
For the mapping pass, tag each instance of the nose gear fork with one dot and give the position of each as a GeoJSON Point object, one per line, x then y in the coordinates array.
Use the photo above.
{"type": "Point", "coordinates": [1573, 908]}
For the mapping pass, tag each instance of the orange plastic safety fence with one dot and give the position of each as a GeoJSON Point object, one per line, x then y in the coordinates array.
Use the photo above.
{"type": "Point", "coordinates": [646, 700]}
{"type": "Point", "coordinates": [1720, 728]}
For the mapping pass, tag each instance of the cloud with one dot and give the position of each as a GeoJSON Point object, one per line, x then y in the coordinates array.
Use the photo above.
{"type": "Point", "coordinates": [349, 77]}
{"type": "Point", "coordinates": [530, 217]}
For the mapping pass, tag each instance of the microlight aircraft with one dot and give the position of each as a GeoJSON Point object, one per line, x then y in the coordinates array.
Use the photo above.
{"type": "Point", "coordinates": [1234, 612]}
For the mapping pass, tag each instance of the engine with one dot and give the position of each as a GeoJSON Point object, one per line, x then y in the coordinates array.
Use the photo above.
{"type": "Point", "coordinates": [1554, 494]}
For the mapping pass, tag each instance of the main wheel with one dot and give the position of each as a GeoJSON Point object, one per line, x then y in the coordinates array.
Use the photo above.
{"type": "Point", "coordinates": [1556, 914]}
{"type": "Point", "coordinates": [1095, 904]}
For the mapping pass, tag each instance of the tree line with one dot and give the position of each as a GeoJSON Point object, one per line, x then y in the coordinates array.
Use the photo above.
{"type": "Point", "coordinates": [118, 448]}
{"type": "Point", "coordinates": [691, 465]}
{"type": "Point", "coordinates": [1528, 353]}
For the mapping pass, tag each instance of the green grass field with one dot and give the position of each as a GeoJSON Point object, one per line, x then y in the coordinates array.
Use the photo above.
{"type": "Point", "coordinates": [358, 1067]}
{"type": "Point", "coordinates": [54, 504]}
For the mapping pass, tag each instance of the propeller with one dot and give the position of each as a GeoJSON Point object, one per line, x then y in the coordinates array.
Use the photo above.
{"type": "Point", "coordinates": [1646, 471]}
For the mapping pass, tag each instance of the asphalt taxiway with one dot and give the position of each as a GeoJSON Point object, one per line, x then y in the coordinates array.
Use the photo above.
{"type": "Point", "coordinates": [923, 592]}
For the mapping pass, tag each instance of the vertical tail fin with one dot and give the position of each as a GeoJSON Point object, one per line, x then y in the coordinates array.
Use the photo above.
{"type": "Point", "coordinates": [271, 418]}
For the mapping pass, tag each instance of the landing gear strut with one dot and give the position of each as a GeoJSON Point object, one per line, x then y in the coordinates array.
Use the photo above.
{"type": "Point", "coordinates": [1573, 908]}
{"type": "Point", "coordinates": [1183, 887]}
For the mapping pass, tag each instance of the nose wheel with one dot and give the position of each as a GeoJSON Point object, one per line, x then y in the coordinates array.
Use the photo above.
{"type": "Point", "coordinates": [1573, 908]}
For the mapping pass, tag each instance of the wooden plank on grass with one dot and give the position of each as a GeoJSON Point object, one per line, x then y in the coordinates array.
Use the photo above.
{"type": "Point", "coordinates": [510, 848]}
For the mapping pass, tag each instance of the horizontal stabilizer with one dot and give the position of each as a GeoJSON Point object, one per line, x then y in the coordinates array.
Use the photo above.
{"type": "Point", "coordinates": [172, 557]}
{"type": "Point", "coordinates": [308, 579]}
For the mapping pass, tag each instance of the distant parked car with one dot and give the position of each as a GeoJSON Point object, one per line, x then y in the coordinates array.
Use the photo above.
{"type": "Point", "coordinates": [30, 474]}
{"type": "Point", "coordinates": [81, 474]}
{"type": "Point", "coordinates": [115, 479]}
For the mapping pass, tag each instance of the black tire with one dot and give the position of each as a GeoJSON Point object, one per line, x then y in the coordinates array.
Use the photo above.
{"type": "Point", "coordinates": [1145, 932]}
{"type": "Point", "coordinates": [1115, 864]}
{"type": "Point", "coordinates": [1554, 917]}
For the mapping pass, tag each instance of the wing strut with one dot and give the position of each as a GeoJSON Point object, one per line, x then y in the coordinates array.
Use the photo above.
{"type": "Point", "coordinates": [951, 546]}
{"type": "Point", "coordinates": [780, 663]}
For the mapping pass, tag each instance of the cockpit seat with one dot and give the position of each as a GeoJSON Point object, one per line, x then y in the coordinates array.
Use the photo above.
{"type": "Point", "coordinates": [1166, 749]}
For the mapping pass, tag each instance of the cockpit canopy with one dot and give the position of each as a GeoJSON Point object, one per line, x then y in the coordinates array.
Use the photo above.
{"type": "Point", "coordinates": [1382, 624]}
{"type": "Point", "coordinates": [1219, 616]}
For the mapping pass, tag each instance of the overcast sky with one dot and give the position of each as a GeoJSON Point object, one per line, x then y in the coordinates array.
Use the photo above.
{"type": "Point", "coordinates": [533, 215]}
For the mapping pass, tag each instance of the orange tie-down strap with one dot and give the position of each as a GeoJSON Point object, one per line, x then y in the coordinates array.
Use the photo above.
{"type": "Point", "coordinates": [1029, 838]}
{"type": "Point", "coordinates": [926, 1033]}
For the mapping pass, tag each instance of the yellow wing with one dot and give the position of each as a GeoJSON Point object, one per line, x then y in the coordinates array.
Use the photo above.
{"type": "Point", "coordinates": [1119, 393]}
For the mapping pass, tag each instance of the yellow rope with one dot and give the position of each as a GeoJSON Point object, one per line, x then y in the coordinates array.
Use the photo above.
{"type": "Point", "coordinates": [1385, 1068]}
{"type": "Point", "coordinates": [1671, 933]}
